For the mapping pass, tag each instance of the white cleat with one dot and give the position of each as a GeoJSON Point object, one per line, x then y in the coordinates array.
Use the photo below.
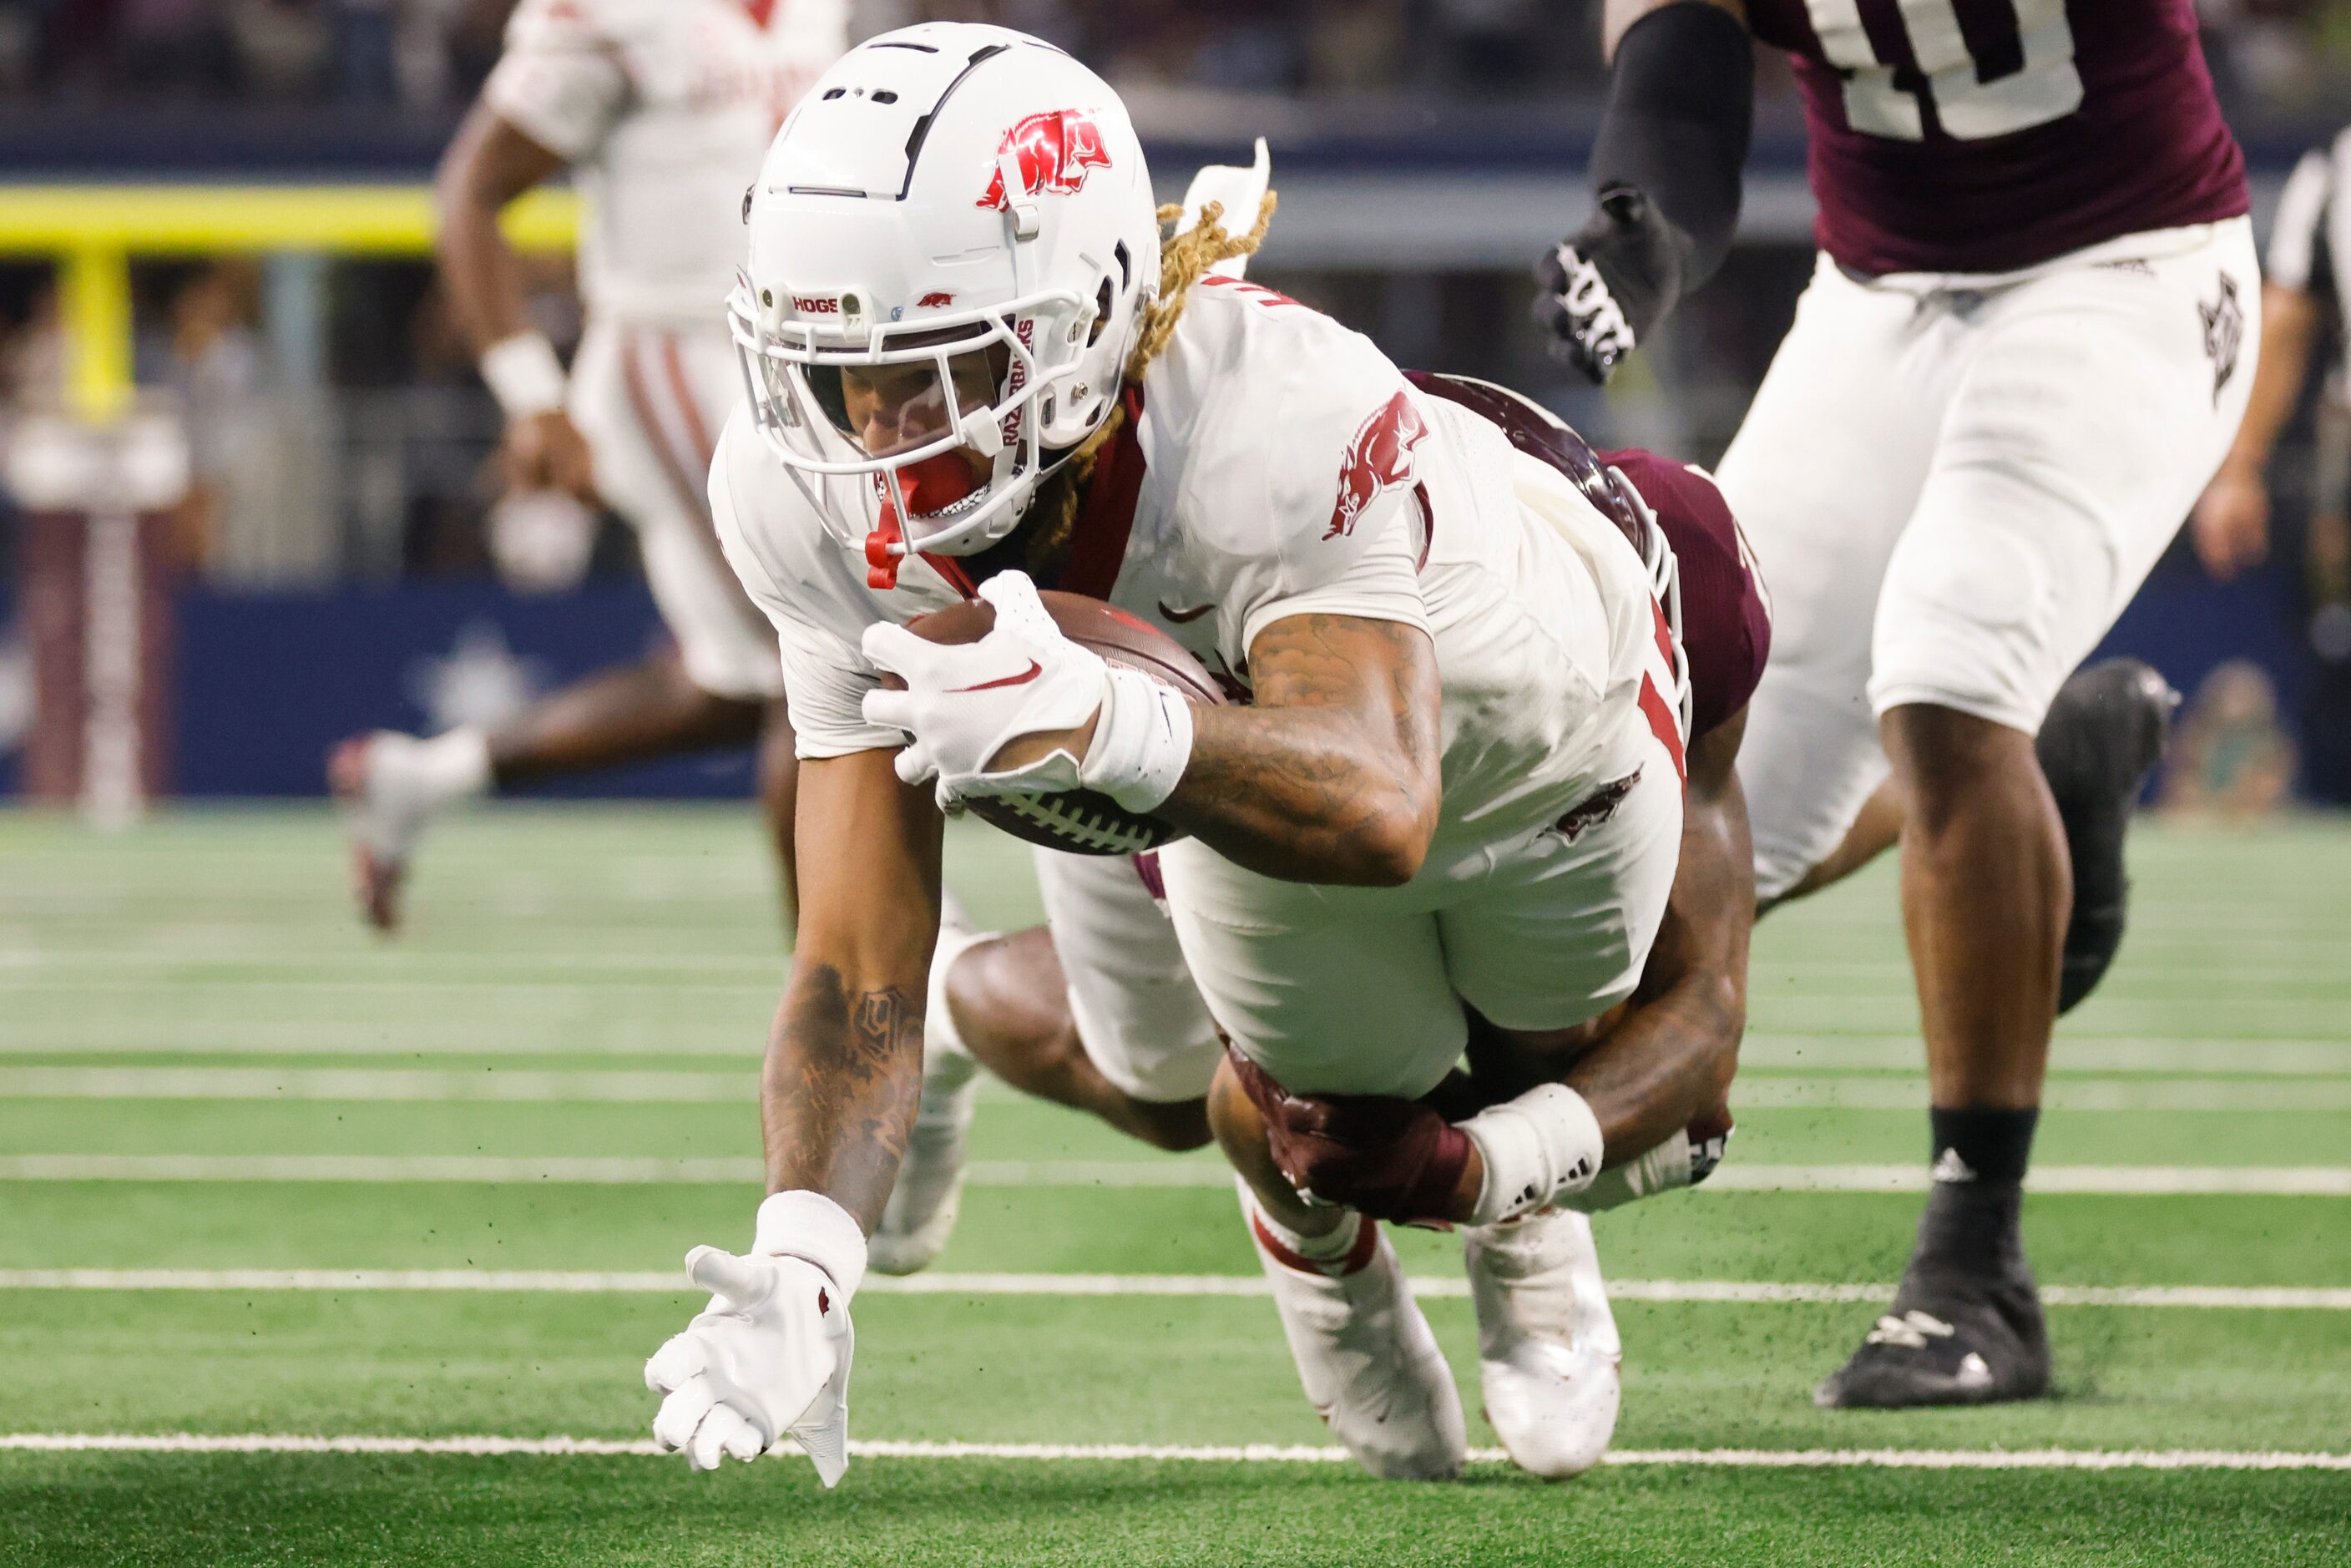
{"type": "Point", "coordinates": [1547, 1351]}
{"type": "Point", "coordinates": [1370, 1365]}
{"type": "Point", "coordinates": [921, 1213]}
{"type": "Point", "coordinates": [385, 801]}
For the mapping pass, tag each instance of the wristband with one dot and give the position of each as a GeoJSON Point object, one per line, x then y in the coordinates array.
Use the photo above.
{"type": "Point", "coordinates": [1143, 741]}
{"type": "Point", "coordinates": [812, 1227]}
{"type": "Point", "coordinates": [1535, 1148]}
{"type": "Point", "coordinates": [523, 373]}
{"type": "Point", "coordinates": [1663, 1169]}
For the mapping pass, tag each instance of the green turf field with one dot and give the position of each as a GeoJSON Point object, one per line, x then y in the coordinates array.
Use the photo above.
{"type": "Point", "coordinates": [264, 1179]}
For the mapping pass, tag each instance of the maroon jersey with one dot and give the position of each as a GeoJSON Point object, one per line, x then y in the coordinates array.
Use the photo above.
{"type": "Point", "coordinates": [1989, 135]}
{"type": "Point", "coordinates": [1726, 620]}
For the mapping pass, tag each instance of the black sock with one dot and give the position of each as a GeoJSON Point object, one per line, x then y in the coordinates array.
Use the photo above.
{"type": "Point", "coordinates": [1981, 1145]}
{"type": "Point", "coordinates": [1972, 1224]}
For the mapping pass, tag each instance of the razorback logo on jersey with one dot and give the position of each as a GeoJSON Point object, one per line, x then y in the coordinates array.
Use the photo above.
{"type": "Point", "coordinates": [1379, 459]}
{"type": "Point", "coordinates": [1052, 151]}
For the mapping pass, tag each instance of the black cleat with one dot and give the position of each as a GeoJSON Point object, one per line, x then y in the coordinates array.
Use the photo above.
{"type": "Point", "coordinates": [1948, 1342]}
{"type": "Point", "coordinates": [2103, 735]}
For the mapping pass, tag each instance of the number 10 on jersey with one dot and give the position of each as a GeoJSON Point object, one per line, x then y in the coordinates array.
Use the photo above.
{"type": "Point", "coordinates": [1987, 68]}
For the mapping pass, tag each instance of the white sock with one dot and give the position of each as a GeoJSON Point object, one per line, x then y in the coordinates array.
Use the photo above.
{"type": "Point", "coordinates": [451, 767]}
{"type": "Point", "coordinates": [1335, 1244]}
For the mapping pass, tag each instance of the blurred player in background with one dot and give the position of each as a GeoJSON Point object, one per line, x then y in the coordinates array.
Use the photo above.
{"type": "Point", "coordinates": [2308, 280]}
{"type": "Point", "coordinates": [662, 109]}
{"type": "Point", "coordinates": [1452, 806]}
{"type": "Point", "coordinates": [2023, 353]}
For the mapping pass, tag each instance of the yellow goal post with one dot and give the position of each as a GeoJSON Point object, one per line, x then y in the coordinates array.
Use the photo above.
{"type": "Point", "coordinates": [92, 231]}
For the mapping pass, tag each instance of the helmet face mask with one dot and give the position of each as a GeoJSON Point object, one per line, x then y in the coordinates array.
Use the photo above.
{"type": "Point", "coordinates": [952, 243]}
{"type": "Point", "coordinates": [901, 402]}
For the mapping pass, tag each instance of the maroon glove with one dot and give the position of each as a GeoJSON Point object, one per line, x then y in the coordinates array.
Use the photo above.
{"type": "Point", "coordinates": [1392, 1159]}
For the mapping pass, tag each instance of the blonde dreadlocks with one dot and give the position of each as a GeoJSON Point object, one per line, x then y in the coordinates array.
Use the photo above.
{"type": "Point", "coordinates": [1183, 260]}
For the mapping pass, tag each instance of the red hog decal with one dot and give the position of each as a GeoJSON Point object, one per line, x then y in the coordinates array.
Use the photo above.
{"type": "Point", "coordinates": [1054, 150]}
{"type": "Point", "coordinates": [1379, 459]}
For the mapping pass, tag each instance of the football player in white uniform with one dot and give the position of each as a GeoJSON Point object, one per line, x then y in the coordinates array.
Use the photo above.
{"type": "Point", "coordinates": [661, 109]}
{"type": "Point", "coordinates": [1454, 794]}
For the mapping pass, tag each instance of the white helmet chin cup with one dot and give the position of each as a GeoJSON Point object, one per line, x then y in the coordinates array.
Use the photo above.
{"type": "Point", "coordinates": [951, 243]}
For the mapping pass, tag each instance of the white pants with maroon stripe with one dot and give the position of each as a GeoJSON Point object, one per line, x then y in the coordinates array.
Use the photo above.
{"type": "Point", "coordinates": [1953, 486]}
{"type": "Point", "coordinates": [651, 400]}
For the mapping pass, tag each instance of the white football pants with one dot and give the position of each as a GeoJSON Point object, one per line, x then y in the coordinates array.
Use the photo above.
{"type": "Point", "coordinates": [1954, 484]}
{"type": "Point", "coordinates": [651, 400]}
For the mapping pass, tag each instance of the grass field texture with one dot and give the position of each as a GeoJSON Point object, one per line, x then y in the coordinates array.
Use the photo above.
{"type": "Point", "coordinates": [264, 1181]}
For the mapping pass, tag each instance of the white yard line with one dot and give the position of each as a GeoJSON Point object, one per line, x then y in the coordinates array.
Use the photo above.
{"type": "Point", "coordinates": [2279, 1181]}
{"type": "Point", "coordinates": [1249, 1453]}
{"type": "Point", "coordinates": [2237, 1058]}
{"type": "Point", "coordinates": [669, 1282]}
{"type": "Point", "coordinates": [1756, 1092]}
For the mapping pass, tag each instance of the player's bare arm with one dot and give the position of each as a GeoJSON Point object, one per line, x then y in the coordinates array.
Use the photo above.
{"type": "Point", "coordinates": [1331, 774]}
{"type": "Point", "coordinates": [1666, 170]}
{"type": "Point", "coordinates": [490, 163]}
{"type": "Point", "coordinates": [2231, 525]}
{"type": "Point", "coordinates": [770, 1356]}
{"type": "Point", "coordinates": [844, 1060]}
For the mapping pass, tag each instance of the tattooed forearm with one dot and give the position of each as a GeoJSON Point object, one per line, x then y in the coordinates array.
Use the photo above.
{"type": "Point", "coordinates": [1331, 773]}
{"type": "Point", "coordinates": [837, 1097]}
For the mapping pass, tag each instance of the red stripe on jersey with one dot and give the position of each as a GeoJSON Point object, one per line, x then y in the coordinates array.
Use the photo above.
{"type": "Point", "coordinates": [1662, 726]}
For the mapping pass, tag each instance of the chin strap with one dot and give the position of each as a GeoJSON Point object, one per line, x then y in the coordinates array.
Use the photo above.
{"type": "Point", "coordinates": [885, 549]}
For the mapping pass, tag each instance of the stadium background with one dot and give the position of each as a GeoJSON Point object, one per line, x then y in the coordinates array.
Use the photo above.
{"type": "Point", "coordinates": [318, 1249]}
{"type": "Point", "coordinates": [341, 510]}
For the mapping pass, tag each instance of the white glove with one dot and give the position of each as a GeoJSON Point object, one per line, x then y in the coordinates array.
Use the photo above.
{"type": "Point", "coordinates": [965, 702]}
{"type": "Point", "coordinates": [768, 1357]}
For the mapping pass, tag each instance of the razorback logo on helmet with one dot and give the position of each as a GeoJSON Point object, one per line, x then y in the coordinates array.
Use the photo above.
{"type": "Point", "coordinates": [1379, 459]}
{"type": "Point", "coordinates": [936, 300]}
{"type": "Point", "coordinates": [816, 304]}
{"type": "Point", "coordinates": [1054, 150]}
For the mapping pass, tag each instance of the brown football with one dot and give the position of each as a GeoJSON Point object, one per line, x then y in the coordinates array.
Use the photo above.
{"type": "Point", "coordinates": [1081, 821]}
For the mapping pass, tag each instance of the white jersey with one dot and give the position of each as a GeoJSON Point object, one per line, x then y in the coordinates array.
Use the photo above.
{"type": "Point", "coordinates": [1276, 465]}
{"type": "Point", "coordinates": [663, 109]}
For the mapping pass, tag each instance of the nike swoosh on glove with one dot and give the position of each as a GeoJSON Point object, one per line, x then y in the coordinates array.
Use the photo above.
{"type": "Point", "coordinates": [1599, 293]}
{"type": "Point", "coordinates": [965, 702]}
{"type": "Point", "coordinates": [767, 1358]}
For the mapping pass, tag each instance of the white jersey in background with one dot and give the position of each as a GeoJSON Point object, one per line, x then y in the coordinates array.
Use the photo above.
{"type": "Point", "coordinates": [1281, 466]}
{"type": "Point", "coordinates": [663, 109]}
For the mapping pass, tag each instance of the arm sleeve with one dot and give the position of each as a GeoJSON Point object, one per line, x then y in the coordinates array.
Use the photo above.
{"type": "Point", "coordinates": [561, 82]}
{"type": "Point", "coordinates": [2296, 234]}
{"type": "Point", "coordinates": [1681, 110]}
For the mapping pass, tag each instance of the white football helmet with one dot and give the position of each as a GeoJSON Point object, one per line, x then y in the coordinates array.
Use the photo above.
{"type": "Point", "coordinates": [952, 242]}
